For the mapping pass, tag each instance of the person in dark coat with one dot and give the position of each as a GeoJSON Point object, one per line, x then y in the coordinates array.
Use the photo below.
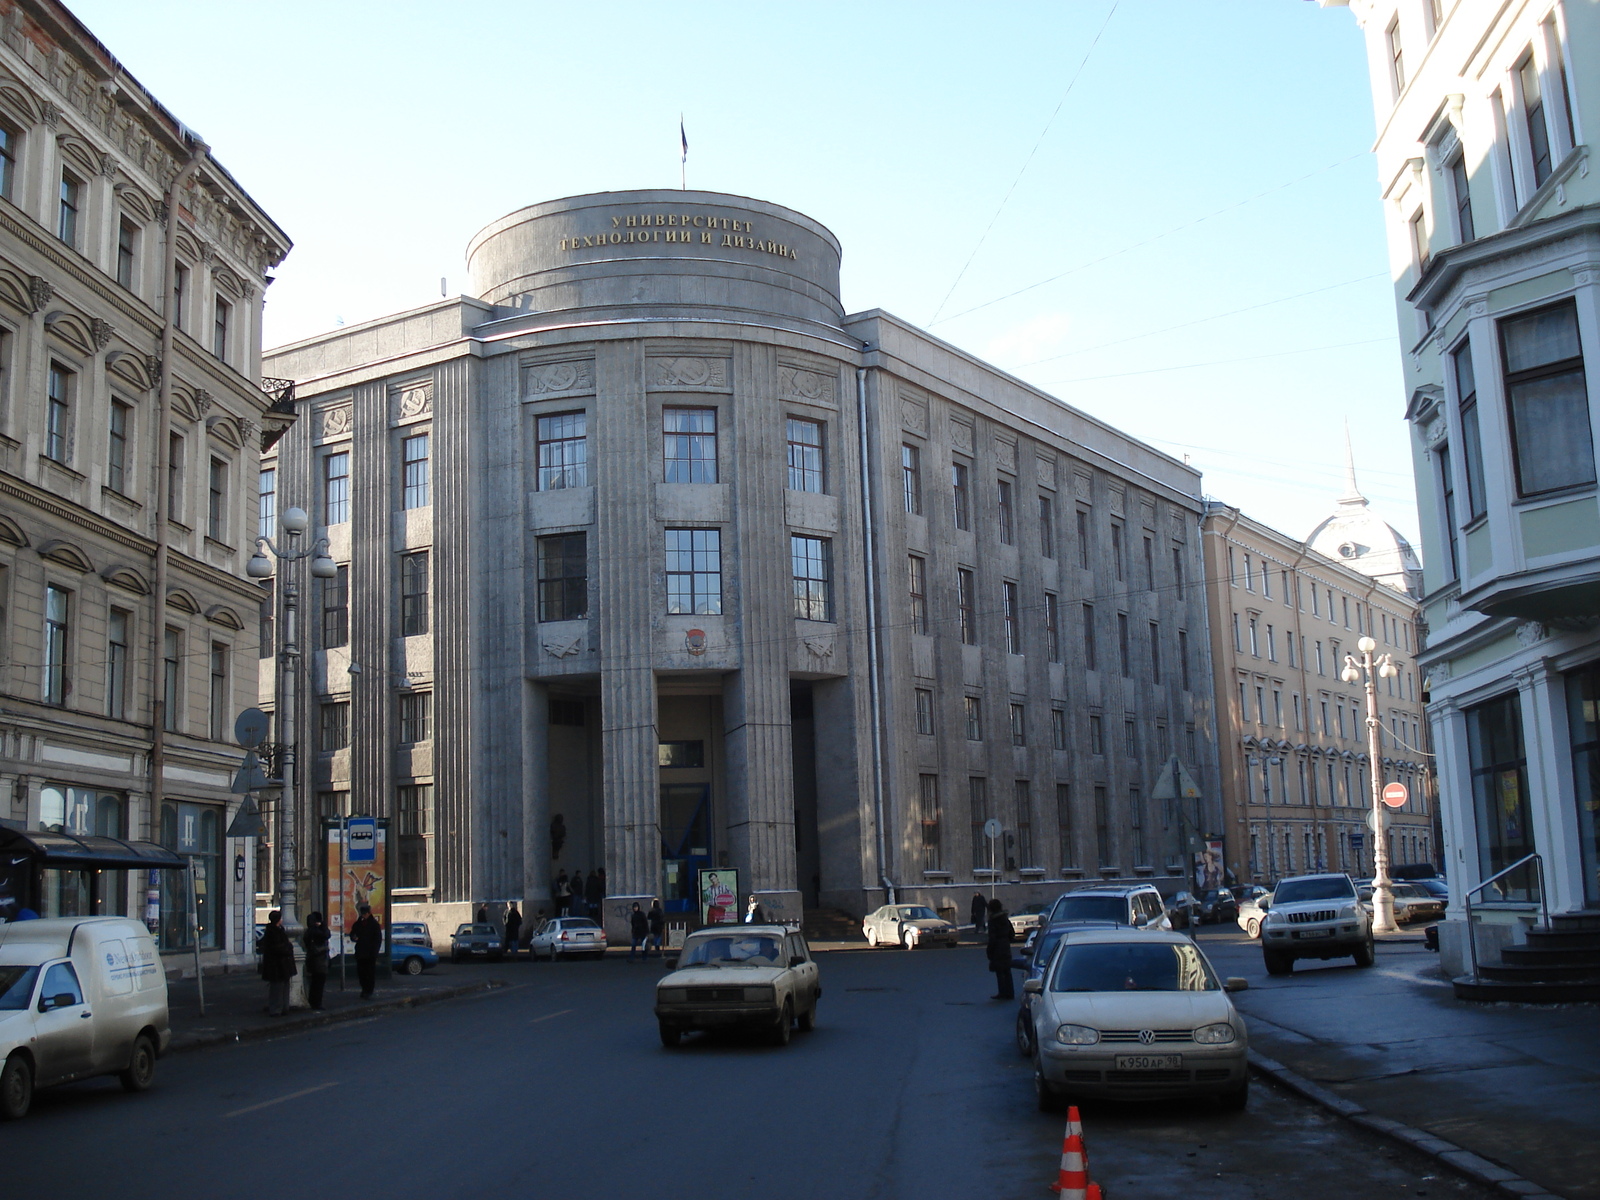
{"type": "Point", "coordinates": [367, 935]}
{"type": "Point", "coordinates": [594, 894]}
{"type": "Point", "coordinates": [980, 912]}
{"type": "Point", "coordinates": [658, 928]}
{"type": "Point", "coordinates": [315, 940]}
{"type": "Point", "coordinates": [561, 892]}
{"type": "Point", "coordinates": [1000, 939]}
{"type": "Point", "coordinates": [576, 906]}
{"type": "Point", "coordinates": [639, 928]}
{"type": "Point", "coordinates": [277, 964]}
{"type": "Point", "coordinates": [513, 929]}
{"type": "Point", "coordinates": [483, 914]}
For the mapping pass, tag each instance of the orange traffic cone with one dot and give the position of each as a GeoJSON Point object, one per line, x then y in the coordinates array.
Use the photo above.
{"type": "Point", "coordinates": [1093, 1192]}
{"type": "Point", "coordinates": [1073, 1178]}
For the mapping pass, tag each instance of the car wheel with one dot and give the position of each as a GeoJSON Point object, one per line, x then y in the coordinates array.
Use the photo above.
{"type": "Point", "coordinates": [16, 1088]}
{"type": "Point", "coordinates": [872, 936]}
{"type": "Point", "coordinates": [908, 939]}
{"type": "Point", "coordinates": [1279, 964]}
{"type": "Point", "coordinates": [1366, 953]}
{"type": "Point", "coordinates": [1253, 927]}
{"type": "Point", "coordinates": [455, 958]}
{"type": "Point", "coordinates": [141, 1069]}
{"type": "Point", "coordinates": [1235, 1099]}
{"type": "Point", "coordinates": [785, 1027]}
{"type": "Point", "coordinates": [670, 1035]}
{"type": "Point", "coordinates": [1048, 1099]}
{"type": "Point", "coordinates": [1024, 1033]}
{"type": "Point", "coordinates": [808, 1019]}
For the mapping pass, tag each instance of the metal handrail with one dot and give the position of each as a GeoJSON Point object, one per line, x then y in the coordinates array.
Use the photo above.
{"type": "Point", "coordinates": [1544, 905]}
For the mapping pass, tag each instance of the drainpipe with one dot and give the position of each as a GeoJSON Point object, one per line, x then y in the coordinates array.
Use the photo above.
{"type": "Point", "coordinates": [869, 544]}
{"type": "Point", "coordinates": [158, 632]}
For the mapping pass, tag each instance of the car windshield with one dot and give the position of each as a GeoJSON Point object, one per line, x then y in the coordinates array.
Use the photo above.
{"type": "Point", "coordinates": [1091, 908]}
{"type": "Point", "coordinates": [918, 912]}
{"type": "Point", "coordinates": [1132, 967]}
{"type": "Point", "coordinates": [16, 986]}
{"type": "Point", "coordinates": [730, 951]}
{"type": "Point", "coordinates": [1332, 887]}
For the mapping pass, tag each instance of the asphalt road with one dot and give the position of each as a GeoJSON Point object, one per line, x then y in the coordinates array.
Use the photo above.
{"type": "Point", "coordinates": [556, 1085]}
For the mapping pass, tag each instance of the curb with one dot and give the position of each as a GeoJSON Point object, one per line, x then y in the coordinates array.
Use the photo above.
{"type": "Point", "coordinates": [260, 1032]}
{"type": "Point", "coordinates": [1463, 1162]}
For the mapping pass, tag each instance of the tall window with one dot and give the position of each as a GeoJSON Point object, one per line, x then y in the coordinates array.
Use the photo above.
{"type": "Point", "coordinates": [1471, 442]}
{"type": "Point", "coordinates": [416, 716]}
{"type": "Point", "coordinates": [221, 317]}
{"type": "Point", "coordinates": [414, 470]}
{"type": "Point", "coordinates": [694, 571]}
{"type": "Point", "coordinates": [961, 495]}
{"type": "Point", "coordinates": [171, 677]}
{"type": "Point", "coordinates": [1097, 734]}
{"type": "Point", "coordinates": [180, 289]}
{"type": "Point", "coordinates": [1006, 513]}
{"type": "Point", "coordinates": [217, 501]}
{"type": "Point", "coordinates": [1064, 826]}
{"type": "Point", "coordinates": [1022, 795]}
{"type": "Point", "coordinates": [1397, 61]}
{"type": "Point", "coordinates": [334, 733]}
{"type": "Point", "coordinates": [1058, 728]}
{"type": "Point", "coordinates": [117, 663]}
{"type": "Point", "coordinates": [812, 562]}
{"type": "Point", "coordinates": [57, 620]}
{"type": "Point", "coordinates": [1116, 551]}
{"type": "Point", "coordinates": [127, 251]}
{"type": "Point", "coordinates": [564, 577]}
{"type": "Point", "coordinates": [911, 477]}
{"type": "Point", "coordinates": [1047, 527]}
{"type": "Point", "coordinates": [1150, 563]}
{"type": "Point", "coordinates": [336, 608]}
{"type": "Point", "coordinates": [1500, 791]}
{"type": "Point", "coordinates": [1013, 617]}
{"type": "Point", "coordinates": [221, 701]}
{"type": "Point", "coordinates": [1089, 663]}
{"type": "Point", "coordinates": [924, 701]}
{"type": "Point", "coordinates": [1083, 539]}
{"type": "Point", "coordinates": [58, 413]}
{"type": "Point", "coordinates": [563, 451]}
{"type": "Point", "coordinates": [414, 593]}
{"type": "Point", "coordinates": [267, 502]}
{"type": "Point", "coordinates": [414, 818]}
{"type": "Point", "coordinates": [928, 812]}
{"type": "Point", "coordinates": [973, 709]}
{"type": "Point", "coordinates": [9, 142]}
{"type": "Point", "coordinates": [1124, 649]}
{"type": "Point", "coordinates": [966, 588]}
{"type": "Point", "coordinates": [1155, 652]}
{"type": "Point", "coordinates": [1533, 112]}
{"type": "Point", "coordinates": [917, 587]}
{"type": "Point", "coordinates": [1052, 627]}
{"type": "Point", "coordinates": [336, 487]}
{"type": "Point", "coordinates": [1446, 476]}
{"type": "Point", "coordinates": [1177, 571]}
{"type": "Point", "coordinates": [1183, 657]}
{"type": "Point", "coordinates": [1136, 823]}
{"type": "Point", "coordinates": [689, 443]}
{"type": "Point", "coordinates": [1461, 199]}
{"type": "Point", "coordinates": [805, 455]}
{"type": "Point", "coordinates": [117, 448]}
{"type": "Point", "coordinates": [175, 476]}
{"type": "Point", "coordinates": [1019, 725]}
{"type": "Point", "coordinates": [978, 815]}
{"type": "Point", "coordinates": [1548, 400]}
{"type": "Point", "coordinates": [67, 213]}
{"type": "Point", "coordinates": [1102, 827]}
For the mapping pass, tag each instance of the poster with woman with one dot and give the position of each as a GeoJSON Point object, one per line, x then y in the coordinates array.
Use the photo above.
{"type": "Point", "coordinates": [719, 897]}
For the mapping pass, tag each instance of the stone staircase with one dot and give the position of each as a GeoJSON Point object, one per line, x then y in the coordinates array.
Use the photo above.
{"type": "Point", "coordinates": [1555, 965]}
{"type": "Point", "coordinates": [830, 925]}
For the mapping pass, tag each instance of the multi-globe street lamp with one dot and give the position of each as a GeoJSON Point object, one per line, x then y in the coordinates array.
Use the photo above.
{"type": "Point", "coordinates": [1368, 670]}
{"type": "Point", "coordinates": [294, 523]}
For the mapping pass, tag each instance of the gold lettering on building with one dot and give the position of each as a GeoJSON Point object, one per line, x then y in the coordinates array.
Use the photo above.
{"type": "Point", "coordinates": [675, 228]}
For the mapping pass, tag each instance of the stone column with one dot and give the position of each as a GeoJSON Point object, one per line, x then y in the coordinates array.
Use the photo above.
{"type": "Point", "coordinates": [535, 798]}
{"type": "Point", "coordinates": [627, 594]}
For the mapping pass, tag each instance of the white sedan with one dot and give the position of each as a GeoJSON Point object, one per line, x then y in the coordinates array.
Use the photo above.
{"type": "Point", "coordinates": [908, 925]}
{"type": "Point", "coordinates": [567, 936]}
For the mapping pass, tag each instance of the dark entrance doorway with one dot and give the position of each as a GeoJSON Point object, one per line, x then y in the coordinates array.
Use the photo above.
{"type": "Point", "coordinates": [685, 842]}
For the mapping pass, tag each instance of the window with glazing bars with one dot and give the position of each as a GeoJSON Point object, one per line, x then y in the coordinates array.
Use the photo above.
{"type": "Point", "coordinates": [928, 811]}
{"type": "Point", "coordinates": [1064, 826]}
{"type": "Point", "coordinates": [978, 816]}
{"type": "Point", "coordinates": [805, 455]}
{"type": "Point", "coordinates": [563, 451]}
{"type": "Point", "coordinates": [1124, 648]}
{"type": "Point", "coordinates": [335, 726]}
{"type": "Point", "coordinates": [1013, 616]}
{"type": "Point", "coordinates": [917, 589]}
{"type": "Point", "coordinates": [1022, 797]}
{"type": "Point", "coordinates": [217, 501]}
{"type": "Point", "coordinates": [414, 821]}
{"type": "Point", "coordinates": [1052, 627]}
{"type": "Point", "coordinates": [1005, 512]}
{"type": "Point", "coordinates": [966, 599]}
{"type": "Point", "coordinates": [117, 448]}
{"type": "Point", "coordinates": [961, 496]}
{"type": "Point", "coordinates": [416, 716]}
{"type": "Point", "coordinates": [336, 487]}
{"type": "Point", "coordinates": [1058, 728]}
{"type": "Point", "coordinates": [336, 608]}
{"type": "Point", "coordinates": [974, 714]}
{"type": "Point", "coordinates": [127, 250]}
{"type": "Point", "coordinates": [67, 213]}
{"type": "Point", "coordinates": [58, 413]}
{"type": "Point", "coordinates": [414, 470]}
{"type": "Point", "coordinates": [1089, 663]}
{"type": "Point", "coordinates": [1019, 725]}
{"type": "Point", "coordinates": [564, 577]}
{"type": "Point", "coordinates": [266, 502]}
{"type": "Point", "coordinates": [1047, 527]}
{"type": "Point", "coordinates": [812, 561]}
{"type": "Point", "coordinates": [414, 594]}
{"type": "Point", "coordinates": [689, 444]}
{"type": "Point", "coordinates": [57, 613]}
{"type": "Point", "coordinates": [911, 477]}
{"type": "Point", "coordinates": [924, 703]}
{"type": "Point", "coordinates": [117, 632]}
{"type": "Point", "coordinates": [694, 571]}
{"type": "Point", "coordinates": [220, 318]}
{"type": "Point", "coordinates": [221, 701]}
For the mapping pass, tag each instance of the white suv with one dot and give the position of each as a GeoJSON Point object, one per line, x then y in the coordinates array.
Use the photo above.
{"type": "Point", "coordinates": [1315, 916]}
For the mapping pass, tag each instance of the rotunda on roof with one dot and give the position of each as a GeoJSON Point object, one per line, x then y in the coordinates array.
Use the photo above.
{"type": "Point", "coordinates": [1358, 537]}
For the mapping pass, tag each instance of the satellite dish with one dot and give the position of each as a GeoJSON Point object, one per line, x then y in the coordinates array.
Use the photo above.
{"type": "Point", "coordinates": [250, 730]}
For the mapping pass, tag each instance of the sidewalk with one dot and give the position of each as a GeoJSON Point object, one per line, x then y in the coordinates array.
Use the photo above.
{"type": "Point", "coordinates": [1516, 1084]}
{"type": "Point", "coordinates": [236, 1004]}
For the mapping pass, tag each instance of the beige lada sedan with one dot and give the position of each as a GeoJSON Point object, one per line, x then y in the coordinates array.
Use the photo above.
{"type": "Point", "coordinates": [757, 977]}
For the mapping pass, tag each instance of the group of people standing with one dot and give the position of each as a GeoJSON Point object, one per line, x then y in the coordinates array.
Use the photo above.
{"type": "Point", "coordinates": [646, 929]}
{"type": "Point", "coordinates": [277, 957]}
{"type": "Point", "coordinates": [578, 896]}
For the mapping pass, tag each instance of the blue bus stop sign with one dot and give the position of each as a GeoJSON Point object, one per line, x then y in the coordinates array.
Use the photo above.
{"type": "Point", "coordinates": [363, 845]}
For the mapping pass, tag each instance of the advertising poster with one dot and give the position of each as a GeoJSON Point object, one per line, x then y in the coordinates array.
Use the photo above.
{"type": "Point", "coordinates": [719, 897]}
{"type": "Point", "coordinates": [1208, 866]}
{"type": "Point", "coordinates": [352, 884]}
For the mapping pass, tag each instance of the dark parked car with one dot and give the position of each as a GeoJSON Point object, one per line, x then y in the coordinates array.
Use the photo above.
{"type": "Point", "coordinates": [1217, 906]}
{"type": "Point", "coordinates": [470, 941]}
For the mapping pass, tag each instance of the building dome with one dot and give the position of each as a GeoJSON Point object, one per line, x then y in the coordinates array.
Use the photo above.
{"type": "Point", "coordinates": [1359, 538]}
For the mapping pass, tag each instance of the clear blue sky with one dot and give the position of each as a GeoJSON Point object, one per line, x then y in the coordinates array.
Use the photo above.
{"type": "Point", "coordinates": [1209, 158]}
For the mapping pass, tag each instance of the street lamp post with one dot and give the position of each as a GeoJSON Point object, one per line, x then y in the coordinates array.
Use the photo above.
{"type": "Point", "coordinates": [1368, 671]}
{"type": "Point", "coordinates": [294, 522]}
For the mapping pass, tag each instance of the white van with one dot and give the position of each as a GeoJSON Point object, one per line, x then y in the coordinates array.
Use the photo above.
{"type": "Point", "coordinates": [79, 996]}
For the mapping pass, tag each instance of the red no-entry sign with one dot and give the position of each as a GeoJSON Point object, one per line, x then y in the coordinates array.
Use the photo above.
{"type": "Point", "coordinates": [1395, 795]}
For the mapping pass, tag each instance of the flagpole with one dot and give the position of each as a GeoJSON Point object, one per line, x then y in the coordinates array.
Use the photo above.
{"type": "Point", "coordinates": [683, 161]}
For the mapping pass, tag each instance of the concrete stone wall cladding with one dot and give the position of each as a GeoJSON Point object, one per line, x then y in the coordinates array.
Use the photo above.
{"type": "Point", "coordinates": [620, 328]}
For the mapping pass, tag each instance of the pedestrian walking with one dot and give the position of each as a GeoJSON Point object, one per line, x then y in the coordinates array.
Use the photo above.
{"type": "Point", "coordinates": [483, 914]}
{"type": "Point", "coordinates": [315, 940]}
{"type": "Point", "coordinates": [277, 964]}
{"type": "Point", "coordinates": [562, 893]}
{"type": "Point", "coordinates": [639, 929]}
{"type": "Point", "coordinates": [367, 935]}
{"type": "Point", "coordinates": [980, 909]}
{"type": "Point", "coordinates": [1000, 939]}
{"type": "Point", "coordinates": [576, 906]}
{"type": "Point", "coordinates": [594, 893]}
{"type": "Point", "coordinates": [658, 925]}
{"type": "Point", "coordinates": [513, 928]}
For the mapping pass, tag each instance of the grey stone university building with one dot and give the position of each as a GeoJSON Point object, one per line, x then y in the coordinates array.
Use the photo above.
{"type": "Point", "coordinates": [655, 560]}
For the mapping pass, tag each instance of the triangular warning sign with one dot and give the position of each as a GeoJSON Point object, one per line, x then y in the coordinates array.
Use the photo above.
{"type": "Point", "coordinates": [247, 821]}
